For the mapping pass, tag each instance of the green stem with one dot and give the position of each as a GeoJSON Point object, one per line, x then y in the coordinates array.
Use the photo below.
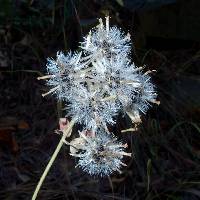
{"type": "Point", "coordinates": [42, 178]}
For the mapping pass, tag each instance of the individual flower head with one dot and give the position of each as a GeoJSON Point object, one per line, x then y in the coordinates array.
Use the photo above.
{"type": "Point", "coordinates": [145, 95]}
{"type": "Point", "coordinates": [119, 81]}
{"type": "Point", "coordinates": [105, 41]}
{"type": "Point", "coordinates": [61, 73]}
{"type": "Point", "coordinates": [91, 108]}
{"type": "Point", "coordinates": [99, 154]}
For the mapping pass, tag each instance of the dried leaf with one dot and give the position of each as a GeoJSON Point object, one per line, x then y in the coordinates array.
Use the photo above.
{"type": "Point", "coordinates": [6, 137]}
{"type": "Point", "coordinates": [23, 125]}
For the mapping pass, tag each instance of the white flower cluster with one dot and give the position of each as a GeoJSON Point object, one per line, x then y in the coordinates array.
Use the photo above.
{"type": "Point", "coordinates": [100, 154]}
{"type": "Point", "coordinates": [97, 83]}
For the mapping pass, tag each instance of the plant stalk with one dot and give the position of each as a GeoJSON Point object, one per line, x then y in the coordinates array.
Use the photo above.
{"type": "Point", "coordinates": [42, 178]}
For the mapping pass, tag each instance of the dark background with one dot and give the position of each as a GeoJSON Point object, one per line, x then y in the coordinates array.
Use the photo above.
{"type": "Point", "coordinates": [166, 148]}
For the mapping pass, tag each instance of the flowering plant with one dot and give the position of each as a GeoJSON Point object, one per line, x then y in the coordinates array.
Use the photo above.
{"type": "Point", "coordinates": [97, 84]}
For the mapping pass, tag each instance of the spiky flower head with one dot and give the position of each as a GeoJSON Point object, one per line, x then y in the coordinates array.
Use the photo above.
{"type": "Point", "coordinates": [105, 41]}
{"type": "Point", "coordinates": [62, 74]}
{"type": "Point", "coordinates": [100, 153]}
